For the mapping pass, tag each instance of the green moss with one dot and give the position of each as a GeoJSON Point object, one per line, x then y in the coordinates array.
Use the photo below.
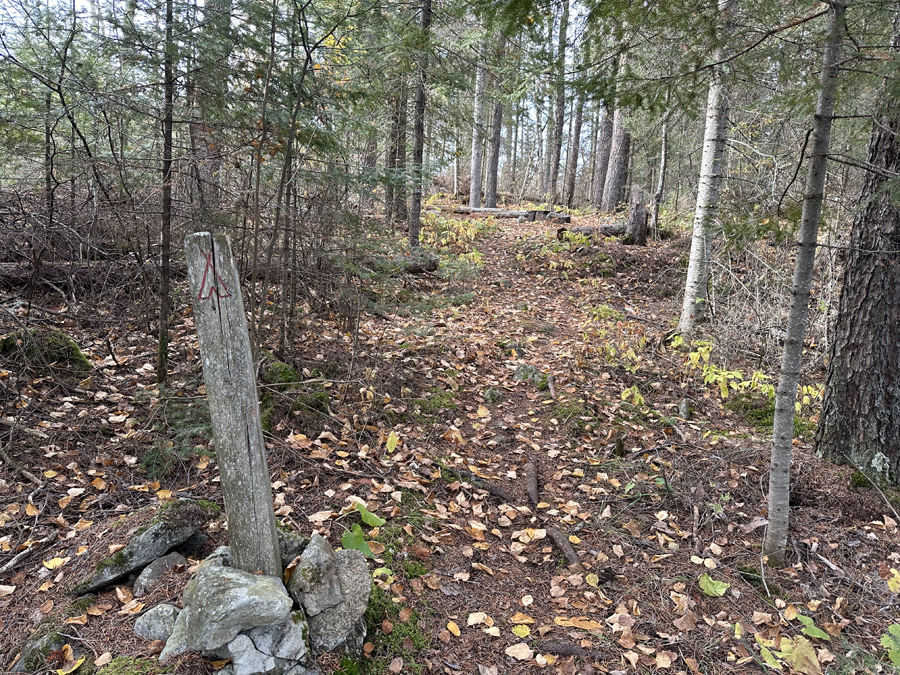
{"type": "Point", "coordinates": [759, 411]}
{"type": "Point", "coordinates": [413, 569]}
{"type": "Point", "coordinates": [572, 416]}
{"type": "Point", "coordinates": [387, 647]}
{"type": "Point", "coordinates": [197, 512]}
{"type": "Point", "coordinates": [119, 560]}
{"type": "Point", "coordinates": [439, 401]}
{"type": "Point", "coordinates": [39, 351]}
{"type": "Point", "coordinates": [279, 374]}
{"type": "Point", "coordinates": [126, 665]}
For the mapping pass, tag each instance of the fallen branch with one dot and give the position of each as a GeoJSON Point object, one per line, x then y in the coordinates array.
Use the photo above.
{"type": "Point", "coordinates": [27, 552]}
{"type": "Point", "coordinates": [469, 477]}
{"type": "Point", "coordinates": [565, 546]}
{"type": "Point", "coordinates": [592, 231]}
{"type": "Point", "coordinates": [531, 484]}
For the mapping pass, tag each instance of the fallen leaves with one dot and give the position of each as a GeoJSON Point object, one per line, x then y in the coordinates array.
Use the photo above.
{"type": "Point", "coordinates": [520, 652]}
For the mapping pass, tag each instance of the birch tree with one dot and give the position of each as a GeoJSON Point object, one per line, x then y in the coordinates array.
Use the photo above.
{"type": "Point", "coordinates": [707, 209]}
{"type": "Point", "coordinates": [792, 356]}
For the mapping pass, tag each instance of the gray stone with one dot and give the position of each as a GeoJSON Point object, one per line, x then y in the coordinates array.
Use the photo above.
{"type": "Point", "coordinates": [34, 652]}
{"type": "Point", "coordinates": [493, 395]}
{"type": "Point", "coordinates": [177, 642]}
{"type": "Point", "coordinates": [526, 372]}
{"type": "Point", "coordinates": [157, 623]}
{"type": "Point", "coordinates": [223, 601]}
{"type": "Point", "coordinates": [172, 527]}
{"type": "Point", "coordinates": [154, 571]}
{"type": "Point", "coordinates": [291, 545]}
{"type": "Point", "coordinates": [343, 626]}
{"type": "Point", "coordinates": [313, 584]}
{"type": "Point", "coordinates": [271, 650]}
{"type": "Point", "coordinates": [194, 543]}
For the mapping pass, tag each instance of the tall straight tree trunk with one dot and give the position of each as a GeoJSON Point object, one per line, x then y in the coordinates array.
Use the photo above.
{"type": "Point", "coordinates": [575, 143]}
{"type": "Point", "coordinates": [399, 208]}
{"type": "Point", "coordinates": [617, 169]}
{"type": "Point", "coordinates": [559, 121]}
{"type": "Point", "coordinates": [390, 162]}
{"type": "Point", "coordinates": [604, 147]}
{"type": "Point", "coordinates": [775, 540]}
{"type": "Point", "coordinates": [493, 163]}
{"type": "Point", "coordinates": [860, 420]}
{"type": "Point", "coordinates": [661, 181]}
{"type": "Point", "coordinates": [695, 292]}
{"type": "Point", "coordinates": [415, 207]}
{"type": "Point", "coordinates": [162, 358]}
{"type": "Point", "coordinates": [539, 128]}
{"type": "Point", "coordinates": [475, 183]}
{"type": "Point", "coordinates": [514, 154]}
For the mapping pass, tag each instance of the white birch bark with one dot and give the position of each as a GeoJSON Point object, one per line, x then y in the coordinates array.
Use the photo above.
{"type": "Point", "coordinates": [775, 540]}
{"type": "Point", "coordinates": [477, 139]}
{"type": "Point", "coordinates": [693, 309]}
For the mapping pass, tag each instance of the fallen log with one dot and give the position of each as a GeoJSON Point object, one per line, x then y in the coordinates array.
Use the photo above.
{"type": "Point", "coordinates": [592, 231]}
{"type": "Point", "coordinates": [414, 263]}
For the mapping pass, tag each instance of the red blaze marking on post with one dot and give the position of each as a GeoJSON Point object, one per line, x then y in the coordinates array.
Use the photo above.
{"type": "Point", "coordinates": [214, 285]}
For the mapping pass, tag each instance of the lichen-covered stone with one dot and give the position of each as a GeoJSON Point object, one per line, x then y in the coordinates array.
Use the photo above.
{"type": "Point", "coordinates": [313, 584]}
{"type": "Point", "coordinates": [157, 623]}
{"type": "Point", "coordinates": [152, 572]}
{"type": "Point", "coordinates": [174, 525]}
{"type": "Point", "coordinates": [223, 601]}
{"type": "Point", "coordinates": [342, 626]}
{"type": "Point", "coordinates": [291, 545]}
{"type": "Point", "coordinates": [271, 650]}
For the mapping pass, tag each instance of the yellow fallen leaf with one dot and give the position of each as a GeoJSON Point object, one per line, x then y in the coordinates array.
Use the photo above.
{"type": "Point", "coordinates": [64, 502]}
{"type": "Point", "coordinates": [103, 659]}
{"type": "Point", "coordinates": [117, 419]}
{"type": "Point", "coordinates": [77, 620]}
{"type": "Point", "coordinates": [70, 666]}
{"type": "Point", "coordinates": [574, 539]}
{"type": "Point", "coordinates": [31, 510]}
{"type": "Point", "coordinates": [483, 412]}
{"type": "Point", "coordinates": [131, 607]}
{"type": "Point", "coordinates": [115, 547]}
{"type": "Point", "coordinates": [164, 495]}
{"type": "Point", "coordinates": [520, 619]}
{"type": "Point", "coordinates": [83, 524]}
{"type": "Point", "coordinates": [123, 594]}
{"type": "Point", "coordinates": [81, 550]}
{"type": "Point", "coordinates": [521, 631]}
{"type": "Point", "coordinates": [493, 631]}
{"type": "Point", "coordinates": [50, 474]}
{"type": "Point", "coordinates": [220, 664]}
{"type": "Point", "coordinates": [55, 563]}
{"type": "Point", "coordinates": [46, 586]}
{"type": "Point", "coordinates": [453, 628]}
{"type": "Point", "coordinates": [46, 608]}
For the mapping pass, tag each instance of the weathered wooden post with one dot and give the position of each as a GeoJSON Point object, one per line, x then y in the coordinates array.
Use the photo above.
{"type": "Point", "coordinates": [230, 379]}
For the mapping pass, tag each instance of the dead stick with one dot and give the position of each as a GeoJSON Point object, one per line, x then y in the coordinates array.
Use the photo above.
{"type": "Point", "coordinates": [567, 549]}
{"type": "Point", "coordinates": [531, 483]}
{"type": "Point", "coordinates": [551, 387]}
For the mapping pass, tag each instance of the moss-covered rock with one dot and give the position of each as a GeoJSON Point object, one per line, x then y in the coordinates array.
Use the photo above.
{"type": "Point", "coordinates": [126, 665]}
{"type": "Point", "coordinates": [41, 352]}
{"type": "Point", "coordinates": [278, 374]}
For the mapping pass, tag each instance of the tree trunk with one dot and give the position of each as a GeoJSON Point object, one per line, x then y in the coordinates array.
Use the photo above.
{"type": "Point", "coordinates": [574, 147]}
{"type": "Point", "coordinates": [860, 420]}
{"type": "Point", "coordinates": [695, 292]}
{"type": "Point", "coordinates": [559, 122]}
{"type": "Point", "coordinates": [792, 357]}
{"type": "Point", "coordinates": [399, 209]}
{"type": "Point", "coordinates": [604, 146]}
{"type": "Point", "coordinates": [636, 228]}
{"type": "Point", "coordinates": [415, 208]}
{"type": "Point", "coordinates": [162, 358]}
{"type": "Point", "coordinates": [661, 182]}
{"type": "Point", "coordinates": [493, 163]}
{"type": "Point", "coordinates": [477, 138]}
{"type": "Point", "coordinates": [617, 169]}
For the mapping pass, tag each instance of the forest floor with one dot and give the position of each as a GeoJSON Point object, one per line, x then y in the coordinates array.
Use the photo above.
{"type": "Point", "coordinates": [664, 510]}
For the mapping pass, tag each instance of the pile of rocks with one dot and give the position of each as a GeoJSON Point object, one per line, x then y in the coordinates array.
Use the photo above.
{"type": "Point", "coordinates": [261, 625]}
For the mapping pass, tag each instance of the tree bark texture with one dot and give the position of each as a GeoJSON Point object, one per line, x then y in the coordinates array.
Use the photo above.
{"type": "Point", "coordinates": [661, 182]}
{"type": "Point", "coordinates": [559, 121]}
{"type": "Point", "coordinates": [493, 163]}
{"type": "Point", "coordinates": [415, 203]}
{"type": "Point", "coordinates": [860, 420]}
{"type": "Point", "coordinates": [230, 377]}
{"type": "Point", "coordinates": [399, 208]}
{"type": "Point", "coordinates": [617, 169]}
{"type": "Point", "coordinates": [604, 145]}
{"type": "Point", "coordinates": [162, 358]}
{"type": "Point", "coordinates": [475, 183]}
{"type": "Point", "coordinates": [575, 144]}
{"type": "Point", "coordinates": [694, 307]}
{"type": "Point", "coordinates": [775, 540]}
{"type": "Point", "coordinates": [636, 228]}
